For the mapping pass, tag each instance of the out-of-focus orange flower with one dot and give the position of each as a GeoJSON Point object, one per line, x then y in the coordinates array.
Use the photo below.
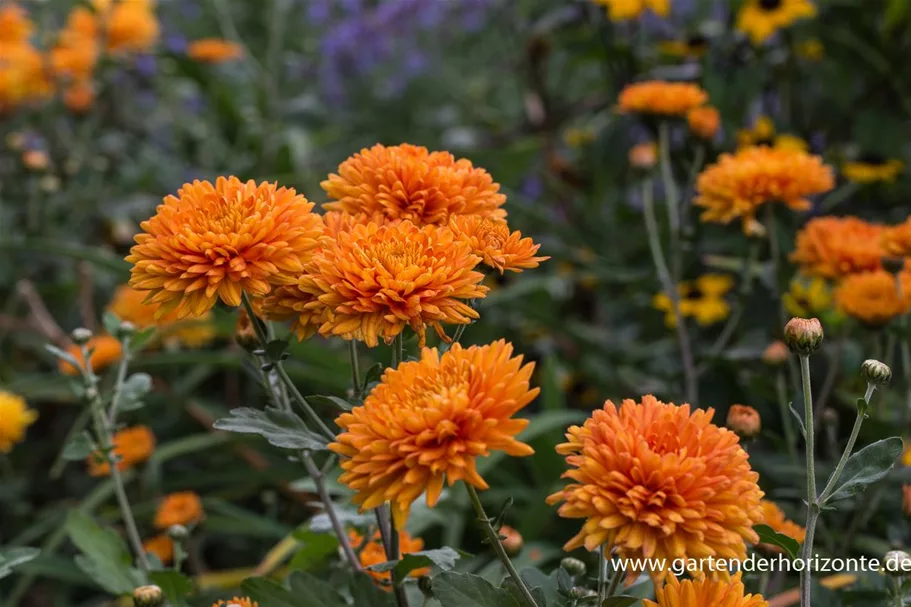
{"type": "Point", "coordinates": [374, 281]}
{"type": "Point", "coordinates": [492, 241]}
{"type": "Point", "coordinates": [129, 305]}
{"type": "Point", "coordinates": [873, 297]}
{"type": "Point", "coordinates": [22, 75]}
{"type": "Point", "coordinates": [238, 601]}
{"type": "Point", "coordinates": [131, 446]}
{"type": "Point", "coordinates": [773, 516]}
{"type": "Point", "coordinates": [104, 351]}
{"type": "Point", "coordinates": [658, 480]}
{"type": "Point", "coordinates": [212, 242]}
{"type": "Point", "coordinates": [183, 508]}
{"type": "Point", "coordinates": [760, 19]}
{"type": "Point", "coordinates": [15, 25]}
{"type": "Point", "coordinates": [739, 184]}
{"type": "Point", "coordinates": [896, 240]}
{"type": "Point", "coordinates": [705, 592]}
{"type": "Point", "coordinates": [834, 247]}
{"type": "Point", "coordinates": [161, 546]}
{"type": "Point", "coordinates": [625, 10]}
{"type": "Point", "coordinates": [15, 417]}
{"type": "Point", "coordinates": [372, 553]}
{"type": "Point", "coordinates": [511, 539]}
{"type": "Point", "coordinates": [409, 182]}
{"type": "Point", "coordinates": [704, 121]}
{"type": "Point", "coordinates": [214, 50]}
{"type": "Point", "coordinates": [776, 353]}
{"type": "Point", "coordinates": [643, 155]}
{"type": "Point", "coordinates": [427, 421]}
{"type": "Point", "coordinates": [79, 96]}
{"type": "Point", "coordinates": [75, 54]}
{"type": "Point", "coordinates": [661, 98]}
{"type": "Point", "coordinates": [129, 25]}
{"type": "Point", "coordinates": [906, 499]}
{"type": "Point", "coordinates": [744, 420]}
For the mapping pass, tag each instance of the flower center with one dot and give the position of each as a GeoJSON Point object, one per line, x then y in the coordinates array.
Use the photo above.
{"type": "Point", "coordinates": [770, 5]}
{"type": "Point", "coordinates": [493, 233]}
{"type": "Point", "coordinates": [871, 158]}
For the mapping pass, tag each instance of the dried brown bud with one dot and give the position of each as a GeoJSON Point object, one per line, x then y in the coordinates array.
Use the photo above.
{"type": "Point", "coordinates": [776, 353]}
{"type": "Point", "coordinates": [803, 335]}
{"type": "Point", "coordinates": [744, 420]}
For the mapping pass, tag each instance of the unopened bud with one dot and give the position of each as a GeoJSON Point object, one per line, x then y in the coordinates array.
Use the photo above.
{"type": "Point", "coordinates": [803, 335]}
{"type": "Point", "coordinates": [245, 333]}
{"type": "Point", "coordinates": [744, 420]}
{"type": "Point", "coordinates": [875, 372]}
{"type": "Point", "coordinates": [148, 596]}
{"type": "Point", "coordinates": [754, 229]}
{"type": "Point", "coordinates": [644, 155]}
{"type": "Point", "coordinates": [573, 566]}
{"type": "Point", "coordinates": [897, 563]}
{"type": "Point", "coordinates": [126, 329]}
{"type": "Point", "coordinates": [36, 160]}
{"type": "Point", "coordinates": [511, 540]}
{"type": "Point", "coordinates": [178, 533]}
{"type": "Point", "coordinates": [581, 593]}
{"type": "Point", "coordinates": [81, 336]}
{"type": "Point", "coordinates": [776, 353]}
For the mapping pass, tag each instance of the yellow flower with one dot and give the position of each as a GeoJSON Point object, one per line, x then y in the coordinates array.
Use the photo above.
{"type": "Point", "coordinates": [661, 98]}
{"type": "Point", "coordinates": [872, 169]}
{"type": "Point", "coordinates": [760, 19]}
{"type": "Point", "coordinates": [624, 10]}
{"type": "Point", "coordinates": [702, 299]}
{"type": "Point", "coordinates": [808, 298]}
{"type": "Point", "coordinates": [705, 593]}
{"type": "Point", "coordinates": [15, 417]}
{"type": "Point", "coordinates": [214, 50]}
{"type": "Point", "coordinates": [693, 46]}
{"type": "Point", "coordinates": [763, 132]}
{"type": "Point", "coordinates": [130, 25]}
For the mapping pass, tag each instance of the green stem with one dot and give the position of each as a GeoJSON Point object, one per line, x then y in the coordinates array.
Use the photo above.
{"type": "Point", "coordinates": [671, 195]}
{"type": "Point", "coordinates": [497, 546]}
{"type": "Point", "coordinates": [602, 574]}
{"type": "Point", "coordinates": [317, 477]}
{"type": "Point", "coordinates": [785, 412]}
{"type": "Point", "coordinates": [355, 369]}
{"type": "Point", "coordinates": [812, 502]}
{"type": "Point", "coordinates": [855, 432]}
{"type": "Point", "coordinates": [614, 583]}
{"type": "Point", "coordinates": [118, 384]}
{"type": "Point", "coordinates": [775, 263]}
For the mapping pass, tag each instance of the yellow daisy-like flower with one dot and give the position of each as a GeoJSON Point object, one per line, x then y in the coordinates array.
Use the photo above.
{"type": "Point", "coordinates": [704, 121]}
{"type": "Point", "coordinates": [834, 247]}
{"type": "Point", "coordinates": [872, 169]}
{"type": "Point", "coordinates": [214, 50]}
{"type": "Point", "coordinates": [625, 10]}
{"type": "Point", "coordinates": [129, 305]}
{"type": "Point", "coordinates": [739, 184]}
{"type": "Point", "coordinates": [183, 508]}
{"type": "Point", "coordinates": [773, 516]}
{"type": "Point", "coordinates": [763, 132]}
{"type": "Point", "coordinates": [212, 242]}
{"type": "Point", "coordinates": [372, 553]}
{"type": "Point", "coordinates": [706, 592]}
{"type": "Point", "coordinates": [760, 19]}
{"type": "Point", "coordinates": [661, 98]}
{"type": "Point", "coordinates": [657, 480]}
{"type": "Point", "coordinates": [808, 298]}
{"type": "Point", "coordinates": [409, 182]}
{"type": "Point", "coordinates": [15, 417]}
{"type": "Point", "coordinates": [702, 299]}
{"type": "Point", "coordinates": [873, 298]}
{"type": "Point", "coordinates": [695, 45]}
{"type": "Point", "coordinates": [906, 454]}
{"type": "Point", "coordinates": [429, 420]}
{"type": "Point", "coordinates": [492, 241]}
{"type": "Point", "coordinates": [373, 281]}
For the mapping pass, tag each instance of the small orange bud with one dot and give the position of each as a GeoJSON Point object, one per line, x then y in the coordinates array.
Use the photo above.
{"type": "Point", "coordinates": [744, 420]}
{"type": "Point", "coordinates": [36, 160]}
{"type": "Point", "coordinates": [244, 333]}
{"type": "Point", "coordinates": [511, 540]}
{"type": "Point", "coordinates": [803, 335]}
{"type": "Point", "coordinates": [643, 155]}
{"type": "Point", "coordinates": [704, 121]}
{"type": "Point", "coordinates": [776, 353]}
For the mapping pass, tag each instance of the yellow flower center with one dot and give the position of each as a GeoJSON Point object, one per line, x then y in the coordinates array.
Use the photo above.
{"type": "Point", "coordinates": [770, 5]}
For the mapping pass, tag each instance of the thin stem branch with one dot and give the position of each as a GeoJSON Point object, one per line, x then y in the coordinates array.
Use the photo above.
{"type": "Point", "coordinates": [602, 574]}
{"type": "Point", "coordinates": [855, 432]}
{"type": "Point", "coordinates": [121, 377]}
{"type": "Point", "coordinates": [355, 369]}
{"type": "Point", "coordinates": [317, 477]}
{"type": "Point", "coordinates": [812, 502]}
{"type": "Point", "coordinates": [787, 423]}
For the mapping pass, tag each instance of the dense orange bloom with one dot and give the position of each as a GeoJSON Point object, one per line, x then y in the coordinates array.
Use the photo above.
{"type": "Point", "coordinates": [873, 297]}
{"type": "Point", "coordinates": [658, 480]}
{"type": "Point", "coordinates": [744, 420]}
{"type": "Point", "coordinates": [104, 350]}
{"type": "Point", "coordinates": [131, 446]}
{"type": "Point", "coordinates": [704, 121]}
{"type": "Point", "coordinates": [238, 601]}
{"type": "Point", "coordinates": [773, 516]}
{"type": "Point", "coordinates": [492, 241]}
{"type": "Point", "coordinates": [833, 247]}
{"type": "Point", "coordinates": [161, 546]}
{"type": "Point", "coordinates": [128, 305]}
{"type": "Point", "coordinates": [373, 553]}
{"type": "Point", "coordinates": [15, 417]}
{"type": "Point", "coordinates": [79, 96]}
{"type": "Point", "coordinates": [373, 281]}
{"type": "Point", "coordinates": [738, 184]}
{"type": "Point", "coordinates": [15, 25]}
{"type": "Point", "coordinates": [22, 75]}
{"type": "Point", "coordinates": [130, 25]}
{"type": "Point", "coordinates": [211, 242]}
{"type": "Point", "coordinates": [662, 98]}
{"type": "Point", "coordinates": [214, 50]}
{"type": "Point", "coordinates": [705, 592]}
{"type": "Point", "coordinates": [409, 182]}
{"type": "Point", "coordinates": [428, 420]}
{"type": "Point", "coordinates": [183, 508]}
{"type": "Point", "coordinates": [896, 240]}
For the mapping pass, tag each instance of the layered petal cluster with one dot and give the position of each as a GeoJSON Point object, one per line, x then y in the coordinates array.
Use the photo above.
{"type": "Point", "coordinates": [834, 247]}
{"type": "Point", "coordinates": [408, 182]}
{"type": "Point", "coordinates": [183, 508]}
{"type": "Point", "coordinates": [661, 98]}
{"type": "Point", "coordinates": [428, 421]}
{"type": "Point", "coordinates": [659, 480]}
{"type": "Point", "coordinates": [371, 552]}
{"type": "Point", "coordinates": [738, 184]}
{"type": "Point", "coordinates": [874, 298]}
{"type": "Point", "coordinates": [217, 241]}
{"type": "Point", "coordinates": [129, 305]}
{"type": "Point", "coordinates": [372, 281]}
{"type": "Point", "coordinates": [492, 241]}
{"type": "Point", "coordinates": [773, 516]}
{"type": "Point", "coordinates": [760, 19]}
{"type": "Point", "coordinates": [15, 417]}
{"type": "Point", "coordinates": [132, 446]}
{"type": "Point", "coordinates": [705, 593]}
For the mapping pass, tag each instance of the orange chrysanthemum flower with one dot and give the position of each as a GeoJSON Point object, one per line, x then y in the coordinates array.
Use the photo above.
{"type": "Point", "coordinates": [658, 480]}
{"type": "Point", "coordinates": [161, 546]}
{"type": "Point", "coordinates": [702, 593]}
{"type": "Point", "coordinates": [774, 517]}
{"type": "Point", "coordinates": [738, 184]}
{"type": "Point", "coordinates": [104, 351]}
{"type": "Point", "coordinates": [22, 75]}
{"type": "Point", "coordinates": [492, 241]}
{"type": "Point", "coordinates": [409, 182]}
{"type": "Point", "coordinates": [373, 281]}
{"type": "Point", "coordinates": [132, 446]}
{"type": "Point", "coordinates": [214, 50]}
{"type": "Point", "coordinates": [896, 240]}
{"type": "Point", "coordinates": [704, 121]}
{"type": "Point", "coordinates": [661, 98]}
{"type": "Point", "coordinates": [15, 25]}
{"type": "Point", "coordinates": [236, 601]}
{"type": "Point", "coordinates": [373, 553]}
{"type": "Point", "coordinates": [213, 242]}
{"type": "Point", "coordinates": [834, 247]}
{"type": "Point", "coordinates": [428, 420]}
{"type": "Point", "coordinates": [183, 508]}
{"type": "Point", "coordinates": [129, 305]}
{"type": "Point", "coordinates": [130, 25]}
{"type": "Point", "coordinates": [874, 298]}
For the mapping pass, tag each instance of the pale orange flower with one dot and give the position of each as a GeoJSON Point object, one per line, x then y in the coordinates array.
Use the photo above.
{"type": "Point", "coordinates": [492, 241]}
{"type": "Point", "coordinates": [212, 242]}
{"type": "Point", "coordinates": [704, 121]}
{"type": "Point", "coordinates": [705, 592]}
{"type": "Point", "coordinates": [773, 516]}
{"type": "Point", "coordinates": [373, 553]}
{"type": "Point", "coordinates": [104, 350]}
{"type": "Point", "coordinates": [658, 480]}
{"type": "Point", "coordinates": [429, 420]}
{"type": "Point", "coordinates": [744, 420]}
{"type": "Point", "coordinates": [409, 182]}
{"type": "Point", "coordinates": [129, 305]}
{"type": "Point", "coordinates": [739, 184]}
{"type": "Point", "coordinates": [374, 281]}
{"type": "Point", "coordinates": [873, 297]}
{"type": "Point", "coordinates": [183, 508]}
{"type": "Point", "coordinates": [661, 98]}
{"type": "Point", "coordinates": [132, 446]}
{"type": "Point", "coordinates": [834, 247]}
{"type": "Point", "coordinates": [214, 50]}
{"type": "Point", "coordinates": [161, 546]}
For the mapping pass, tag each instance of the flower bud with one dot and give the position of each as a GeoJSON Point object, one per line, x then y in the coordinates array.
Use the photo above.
{"type": "Point", "coordinates": [126, 329]}
{"type": "Point", "coordinates": [581, 593]}
{"type": "Point", "coordinates": [178, 533]}
{"type": "Point", "coordinates": [875, 372]}
{"type": "Point", "coordinates": [81, 336]}
{"type": "Point", "coordinates": [511, 540]}
{"type": "Point", "coordinates": [803, 335]}
{"type": "Point", "coordinates": [897, 563]}
{"type": "Point", "coordinates": [148, 596]}
{"type": "Point", "coordinates": [744, 420]}
{"type": "Point", "coordinates": [245, 333]}
{"type": "Point", "coordinates": [36, 160]}
{"type": "Point", "coordinates": [776, 353]}
{"type": "Point", "coordinates": [754, 229]}
{"type": "Point", "coordinates": [644, 155]}
{"type": "Point", "coordinates": [573, 566]}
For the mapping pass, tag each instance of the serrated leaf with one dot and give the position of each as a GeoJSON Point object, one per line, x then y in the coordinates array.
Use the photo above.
{"type": "Point", "coordinates": [268, 593]}
{"type": "Point", "coordinates": [79, 448]}
{"type": "Point", "coordinates": [444, 558]}
{"type": "Point", "coordinates": [865, 467]}
{"type": "Point", "coordinates": [281, 428]}
{"type": "Point", "coordinates": [104, 557]}
{"type": "Point", "coordinates": [10, 558]}
{"type": "Point", "coordinates": [174, 585]}
{"type": "Point", "coordinates": [767, 535]}
{"type": "Point", "coordinates": [314, 590]}
{"type": "Point", "coordinates": [564, 581]}
{"type": "Point", "coordinates": [462, 589]}
{"type": "Point", "coordinates": [134, 390]}
{"type": "Point", "coordinates": [519, 597]}
{"type": "Point", "coordinates": [332, 402]}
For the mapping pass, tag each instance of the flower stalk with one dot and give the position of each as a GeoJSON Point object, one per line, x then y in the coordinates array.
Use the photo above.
{"type": "Point", "coordinates": [813, 506]}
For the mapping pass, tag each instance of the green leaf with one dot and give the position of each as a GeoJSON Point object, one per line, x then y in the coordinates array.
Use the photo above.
{"type": "Point", "coordinates": [332, 402]}
{"type": "Point", "coordinates": [10, 558]}
{"type": "Point", "coordinates": [547, 584]}
{"type": "Point", "coordinates": [799, 418]}
{"type": "Point", "coordinates": [316, 591]}
{"type": "Point", "coordinates": [538, 425]}
{"type": "Point", "coordinates": [620, 601]}
{"type": "Point", "coordinates": [767, 535]}
{"type": "Point", "coordinates": [462, 589]}
{"type": "Point", "coordinates": [79, 448]}
{"type": "Point", "coordinates": [281, 428]}
{"type": "Point", "coordinates": [866, 466]}
{"type": "Point", "coordinates": [142, 338]}
{"type": "Point", "coordinates": [518, 596]}
{"type": "Point", "coordinates": [135, 388]}
{"type": "Point", "coordinates": [104, 557]}
{"type": "Point", "coordinates": [316, 548]}
{"type": "Point", "coordinates": [275, 350]}
{"type": "Point", "coordinates": [111, 323]}
{"type": "Point", "coordinates": [268, 593]}
{"type": "Point", "coordinates": [444, 558]}
{"type": "Point", "coordinates": [173, 584]}
{"type": "Point", "coordinates": [365, 592]}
